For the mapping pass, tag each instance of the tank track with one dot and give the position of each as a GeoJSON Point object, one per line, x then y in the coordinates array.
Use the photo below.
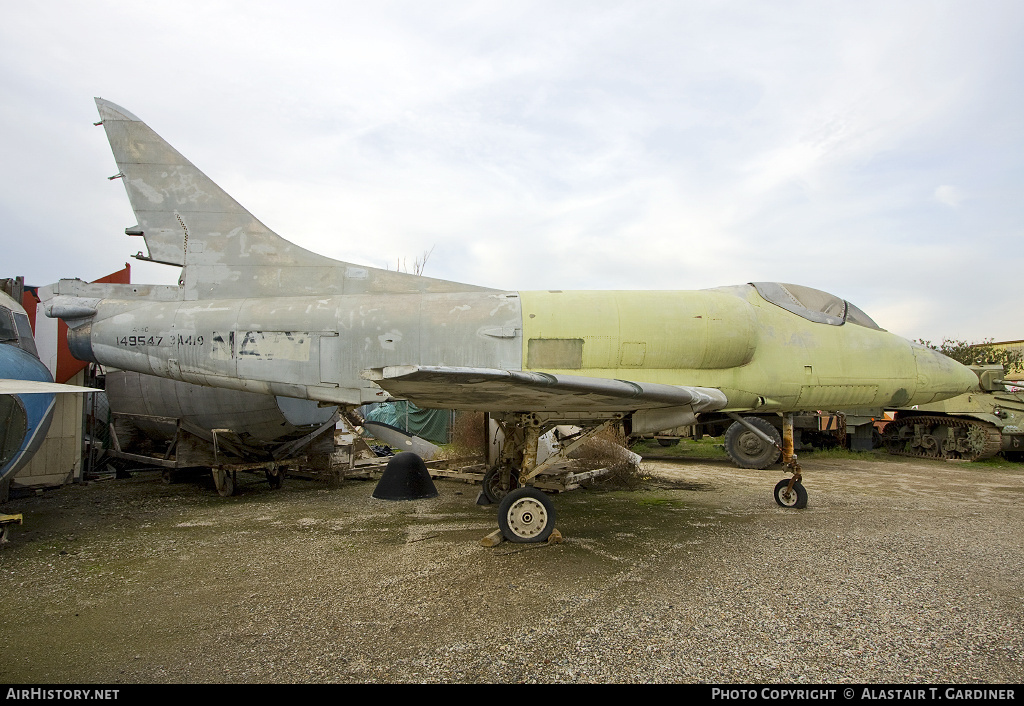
{"type": "Point", "coordinates": [972, 439]}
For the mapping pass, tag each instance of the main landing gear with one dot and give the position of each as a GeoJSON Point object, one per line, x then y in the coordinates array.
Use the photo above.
{"type": "Point", "coordinates": [526, 513]}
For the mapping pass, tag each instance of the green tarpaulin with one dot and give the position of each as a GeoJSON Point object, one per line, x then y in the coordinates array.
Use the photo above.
{"type": "Point", "coordinates": [429, 424]}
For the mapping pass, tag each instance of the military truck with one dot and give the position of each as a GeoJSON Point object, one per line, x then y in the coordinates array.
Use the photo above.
{"type": "Point", "coordinates": [749, 447]}
{"type": "Point", "coordinates": [972, 426]}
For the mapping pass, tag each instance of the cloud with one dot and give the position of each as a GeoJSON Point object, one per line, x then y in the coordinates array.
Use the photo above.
{"type": "Point", "coordinates": [948, 195]}
{"type": "Point", "coordinates": [536, 145]}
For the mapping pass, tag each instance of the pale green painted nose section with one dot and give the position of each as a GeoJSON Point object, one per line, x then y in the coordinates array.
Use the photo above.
{"type": "Point", "coordinates": [940, 377]}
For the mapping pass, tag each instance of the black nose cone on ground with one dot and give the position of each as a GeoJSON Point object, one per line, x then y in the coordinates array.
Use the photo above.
{"type": "Point", "coordinates": [405, 478]}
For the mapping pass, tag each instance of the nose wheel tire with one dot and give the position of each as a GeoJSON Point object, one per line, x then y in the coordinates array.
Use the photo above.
{"type": "Point", "coordinates": [526, 515]}
{"type": "Point", "coordinates": [795, 498]}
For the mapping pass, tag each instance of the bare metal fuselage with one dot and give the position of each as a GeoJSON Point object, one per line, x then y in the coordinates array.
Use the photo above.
{"type": "Point", "coordinates": [321, 348]}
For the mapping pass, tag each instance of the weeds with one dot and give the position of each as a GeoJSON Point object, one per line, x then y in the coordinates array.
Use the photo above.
{"type": "Point", "coordinates": [468, 437]}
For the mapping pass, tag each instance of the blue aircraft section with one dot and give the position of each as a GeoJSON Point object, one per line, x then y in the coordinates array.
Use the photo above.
{"type": "Point", "coordinates": [24, 418]}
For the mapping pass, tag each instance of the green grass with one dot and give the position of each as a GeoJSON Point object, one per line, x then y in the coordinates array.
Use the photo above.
{"type": "Point", "coordinates": [840, 454]}
{"type": "Point", "coordinates": [657, 502]}
{"type": "Point", "coordinates": [998, 463]}
{"type": "Point", "coordinates": [708, 447]}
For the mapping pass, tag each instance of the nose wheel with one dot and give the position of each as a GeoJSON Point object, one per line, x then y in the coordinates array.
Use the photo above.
{"type": "Point", "coordinates": [791, 493]}
{"type": "Point", "coordinates": [275, 476]}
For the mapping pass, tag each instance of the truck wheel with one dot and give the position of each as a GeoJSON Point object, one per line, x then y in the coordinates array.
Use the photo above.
{"type": "Point", "coordinates": [747, 450]}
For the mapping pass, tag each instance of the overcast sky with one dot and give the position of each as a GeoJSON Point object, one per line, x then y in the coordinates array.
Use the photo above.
{"type": "Point", "coordinates": [871, 149]}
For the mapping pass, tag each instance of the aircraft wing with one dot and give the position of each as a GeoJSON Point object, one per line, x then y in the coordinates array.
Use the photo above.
{"type": "Point", "coordinates": [27, 387]}
{"type": "Point", "coordinates": [485, 389]}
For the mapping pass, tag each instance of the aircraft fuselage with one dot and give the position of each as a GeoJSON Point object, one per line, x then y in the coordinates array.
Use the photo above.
{"type": "Point", "coordinates": [758, 354]}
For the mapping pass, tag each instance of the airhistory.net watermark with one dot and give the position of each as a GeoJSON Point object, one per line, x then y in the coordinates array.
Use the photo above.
{"type": "Point", "coordinates": [47, 694]}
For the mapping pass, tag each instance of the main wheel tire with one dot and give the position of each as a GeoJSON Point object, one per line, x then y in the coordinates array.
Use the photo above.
{"type": "Point", "coordinates": [747, 450]}
{"type": "Point", "coordinates": [492, 484]}
{"type": "Point", "coordinates": [526, 516]}
{"type": "Point", "coordinates": [796, 498]}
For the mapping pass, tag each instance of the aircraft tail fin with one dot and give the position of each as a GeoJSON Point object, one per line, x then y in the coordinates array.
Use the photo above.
{"type": "Point", "coordinates": [187, 220]}
{"type": "Point", "coordinates": [169, 195]}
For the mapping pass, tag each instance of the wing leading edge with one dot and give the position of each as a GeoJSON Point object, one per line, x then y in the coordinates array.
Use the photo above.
{"type": "Point", "coordinates": [489, 390]}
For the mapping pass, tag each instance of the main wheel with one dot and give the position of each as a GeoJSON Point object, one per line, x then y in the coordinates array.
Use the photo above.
{"type": "Point", "coordinates": [747, 449]}
{"type": "Point", "coordinates": [526, 515]}
{"type": "Point", "coordinates": [493, 487]}
{"type": "Point", "coordinates": [795, 498]}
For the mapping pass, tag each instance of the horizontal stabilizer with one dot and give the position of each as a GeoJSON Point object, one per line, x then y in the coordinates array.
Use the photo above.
{"type": "Point", "coordinates": [29, 387]}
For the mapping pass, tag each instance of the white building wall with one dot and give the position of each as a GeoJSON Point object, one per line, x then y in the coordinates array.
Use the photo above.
{"type": "Point", "coordinates": [59, 459]}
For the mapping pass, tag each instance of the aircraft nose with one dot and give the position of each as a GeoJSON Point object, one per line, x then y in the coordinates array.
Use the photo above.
{"type": "Point", "coordinates": [940, 377]}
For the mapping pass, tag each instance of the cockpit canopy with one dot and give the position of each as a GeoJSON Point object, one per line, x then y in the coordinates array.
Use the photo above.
{"type": "Point", "coordinates": [15, 330]}
{"type": "Point", "coordinates": [814, 304]}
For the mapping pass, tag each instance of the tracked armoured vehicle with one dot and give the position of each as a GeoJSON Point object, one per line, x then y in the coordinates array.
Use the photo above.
{"type": "Point", "coordinates": [972, 426]}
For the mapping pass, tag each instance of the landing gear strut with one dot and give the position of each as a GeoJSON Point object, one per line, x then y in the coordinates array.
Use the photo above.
{"type": "Point", "coordinates": [790, 492]}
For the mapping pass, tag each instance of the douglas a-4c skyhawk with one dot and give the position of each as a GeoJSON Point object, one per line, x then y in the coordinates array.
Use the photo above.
{"type": "Point", "coordinates": [255, 312]}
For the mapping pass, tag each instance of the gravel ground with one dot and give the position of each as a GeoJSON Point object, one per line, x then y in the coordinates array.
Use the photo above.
{"type": "Point", "coordinates": [897, 572]}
